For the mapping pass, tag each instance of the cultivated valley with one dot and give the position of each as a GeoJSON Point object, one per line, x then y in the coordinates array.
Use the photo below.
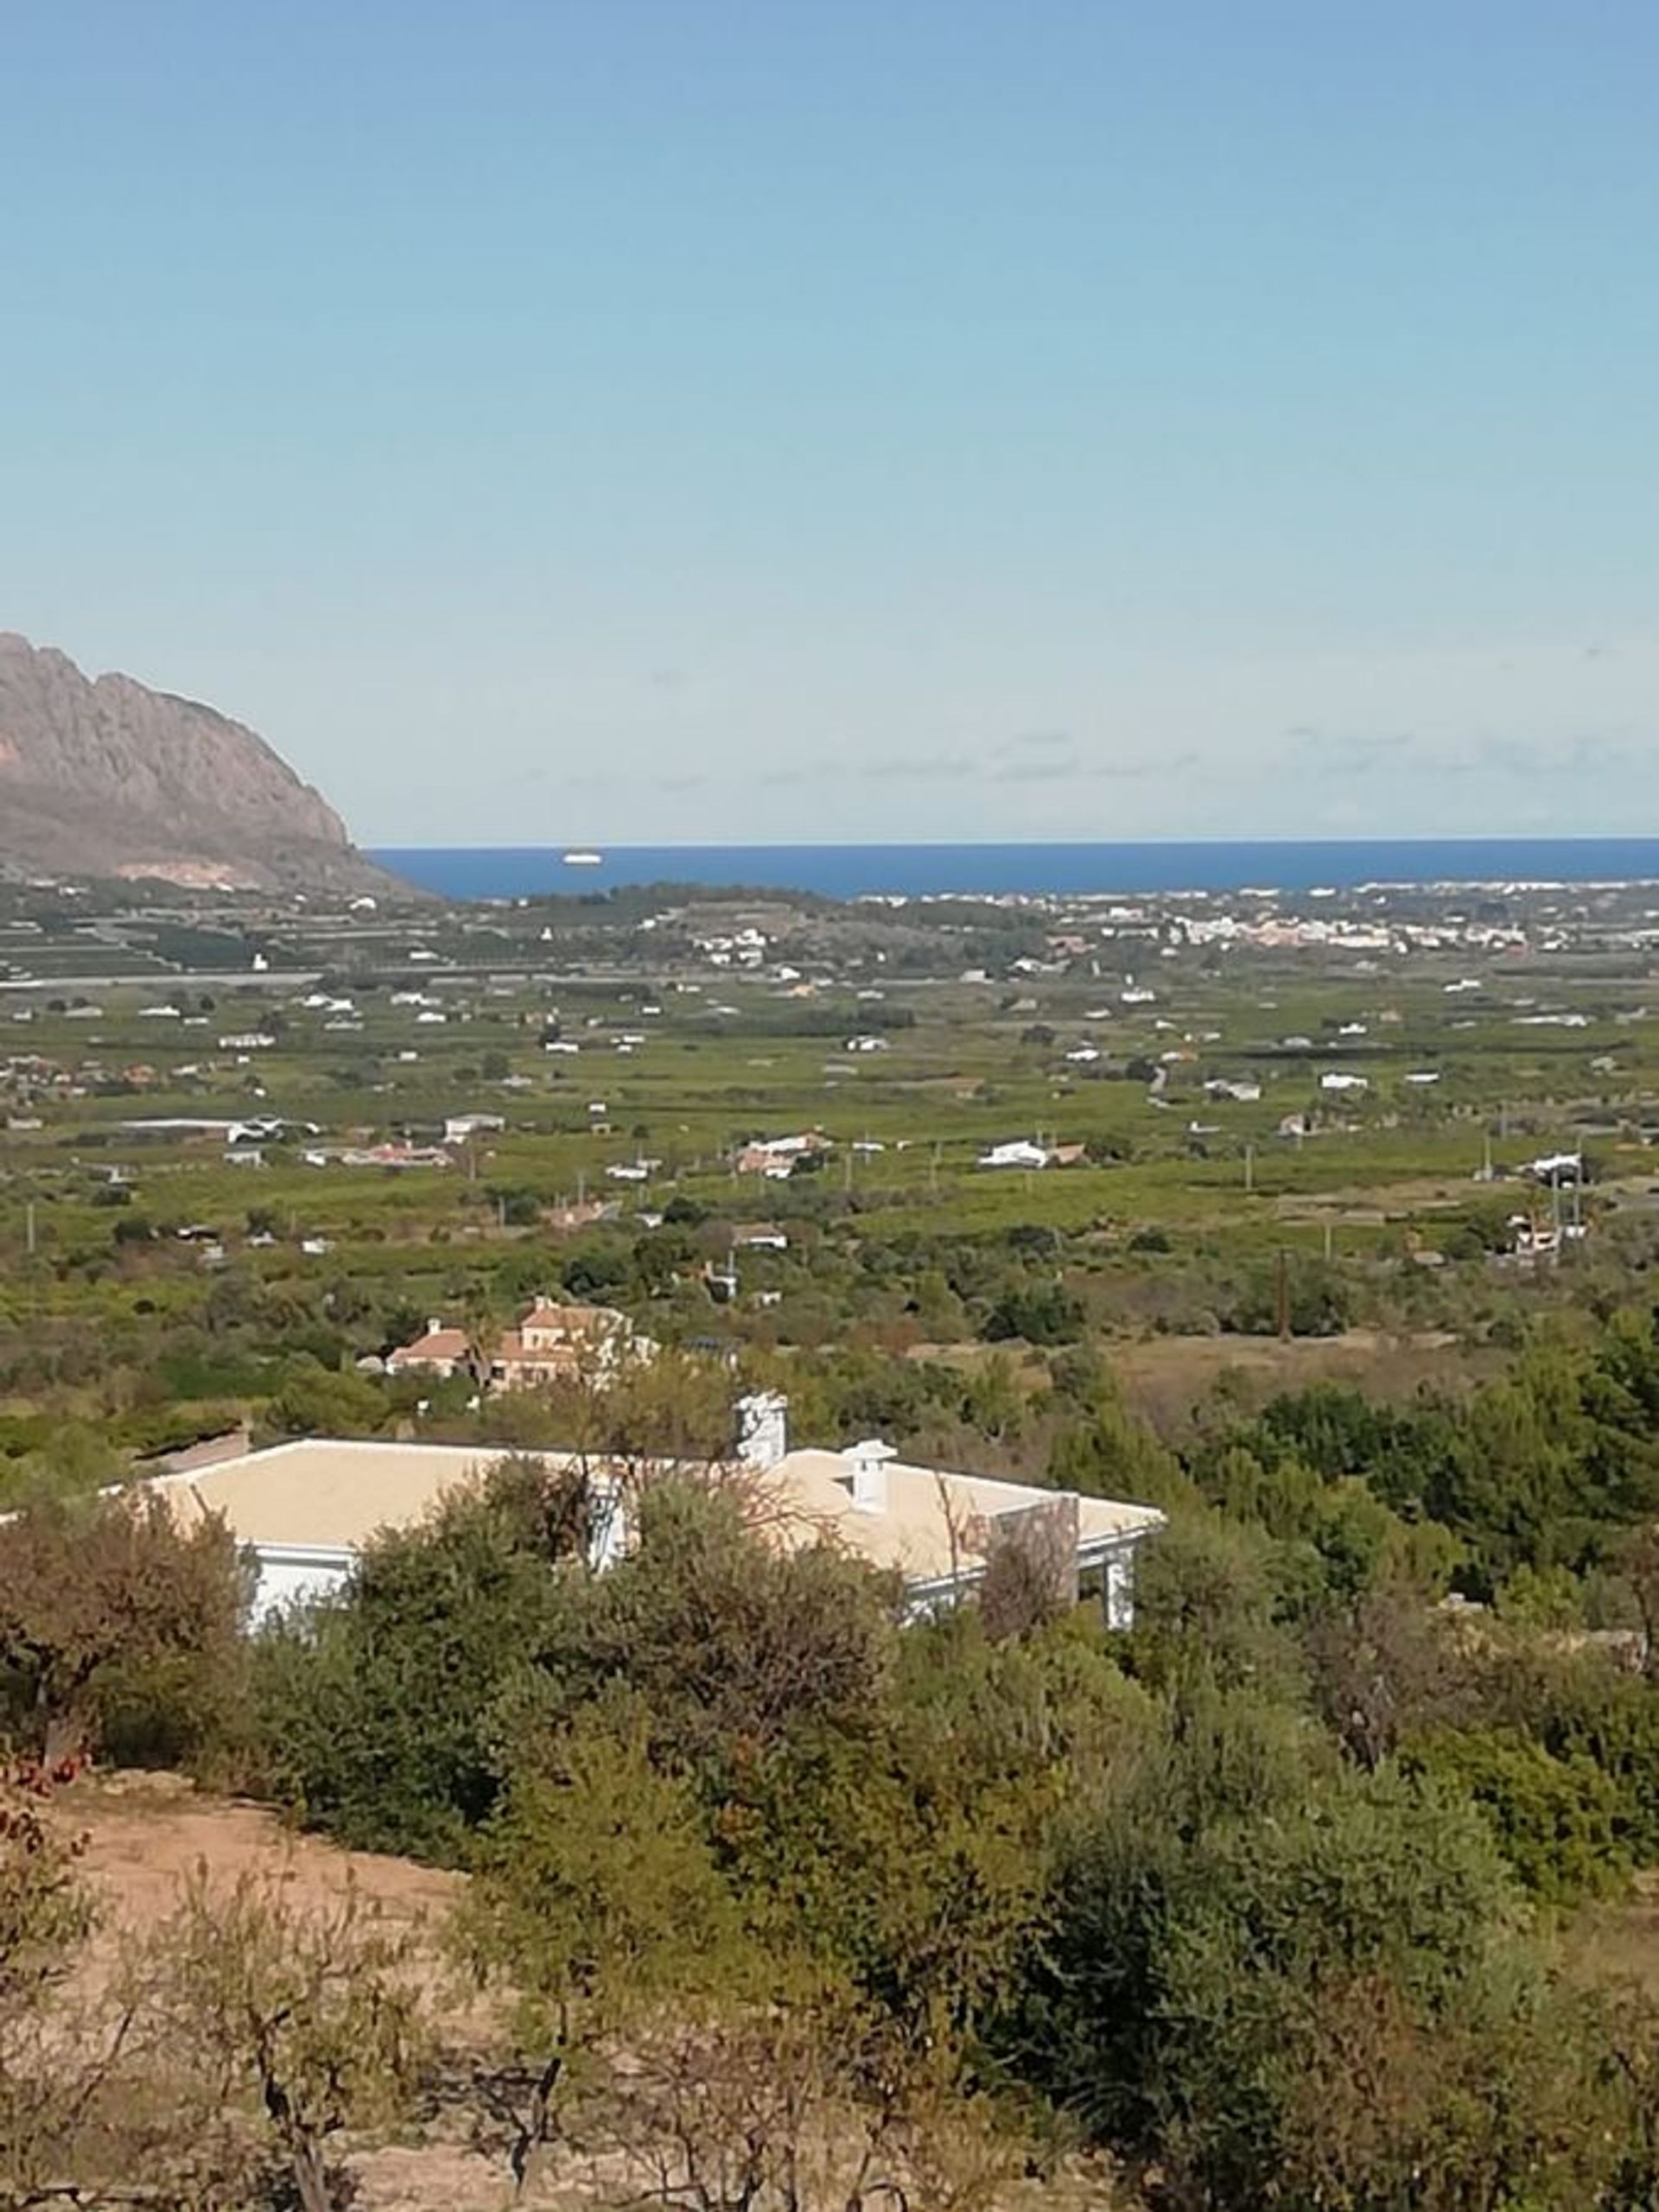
{"type": "Point", "coordinates": [716, 1549]}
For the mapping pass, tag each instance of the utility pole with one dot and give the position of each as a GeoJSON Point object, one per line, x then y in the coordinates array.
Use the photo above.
{"type": "Point", "coordinates": [1329, 1239]}
{"type": "Point", "coordinates": [1283, 1295]}
{"type": "Point", "coordinates": [1249, 1168]}
{"type": "Point", "coordinates": [29, 1242]}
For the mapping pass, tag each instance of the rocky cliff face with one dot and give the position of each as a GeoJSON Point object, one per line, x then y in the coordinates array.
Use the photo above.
{"type": "Point", "coordinates": [106, 778]}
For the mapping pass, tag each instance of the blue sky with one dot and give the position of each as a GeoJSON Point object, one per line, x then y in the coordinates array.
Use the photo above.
{"type": "Point", "coordinates": [628, 420]}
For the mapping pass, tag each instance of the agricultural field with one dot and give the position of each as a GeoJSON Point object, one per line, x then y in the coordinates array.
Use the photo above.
{"type": "Point", "coordinates": [234, 1131]}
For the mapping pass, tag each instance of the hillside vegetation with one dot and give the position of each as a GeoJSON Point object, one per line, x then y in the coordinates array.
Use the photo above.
{"type": "Point", "coordinates": [772, 1899]}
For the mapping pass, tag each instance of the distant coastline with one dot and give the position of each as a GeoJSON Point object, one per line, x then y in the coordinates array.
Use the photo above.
{"type": "Point", "coordinates": [1291, 866]}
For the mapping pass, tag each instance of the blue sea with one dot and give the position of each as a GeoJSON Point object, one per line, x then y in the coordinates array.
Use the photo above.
{"type": "Point", "coordinates": [990, 871]}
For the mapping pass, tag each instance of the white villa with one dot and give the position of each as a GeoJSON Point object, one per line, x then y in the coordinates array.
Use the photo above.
{"type": "Point", "coordinates": [305, 1509]}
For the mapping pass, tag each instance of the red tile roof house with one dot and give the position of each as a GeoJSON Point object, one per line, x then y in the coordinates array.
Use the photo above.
{"type": "Point", "coordinates": [553, 1343]}
{"type": "Point", "coordinates": [438, 1352]}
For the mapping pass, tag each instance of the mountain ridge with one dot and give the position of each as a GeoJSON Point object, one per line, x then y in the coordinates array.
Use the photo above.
{"type": "Point", "coordinates": [104, 776]}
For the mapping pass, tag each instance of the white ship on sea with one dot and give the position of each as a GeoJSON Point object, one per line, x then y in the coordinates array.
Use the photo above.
{"type": "Point", "coordinates": [583, 859]}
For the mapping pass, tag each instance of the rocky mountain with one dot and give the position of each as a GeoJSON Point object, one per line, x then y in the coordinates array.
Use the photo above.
{"type": "Point", "coordinates": [103, 777]}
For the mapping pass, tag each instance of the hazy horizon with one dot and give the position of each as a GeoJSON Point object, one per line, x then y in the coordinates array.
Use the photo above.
{"type": "Point", "coordinates": [1423, 838]}
{"type": "Point", "coordinates": [574, 423]}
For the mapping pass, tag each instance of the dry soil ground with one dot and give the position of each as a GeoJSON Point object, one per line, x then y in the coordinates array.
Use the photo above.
{"type": "Point", "coordinates": [1163, 1378]}
{"type": "Point", "coordinates": [146, 1832]}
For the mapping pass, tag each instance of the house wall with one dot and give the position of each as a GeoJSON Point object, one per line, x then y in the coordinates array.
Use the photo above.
{"type": "Point", "coordinates": [286, 1571]}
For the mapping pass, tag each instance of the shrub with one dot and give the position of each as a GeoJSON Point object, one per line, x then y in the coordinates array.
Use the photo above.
{"type": "Point", "coordinates": [1177, 2005]}
{"type": "Point", "coordinates": [1556, 1821]}
{"type": "Point", "coordinates": [119, 1628]}
{"type": "Point", "coordinates": [374, 1704]}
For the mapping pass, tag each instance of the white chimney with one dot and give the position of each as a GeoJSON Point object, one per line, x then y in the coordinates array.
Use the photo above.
{"type": "Point", "coordinates": [433, 1323]}
{"type": "Point", "coordinates": [867, 1475]}
{"type": "Point", "coordinates": [762, 1430]}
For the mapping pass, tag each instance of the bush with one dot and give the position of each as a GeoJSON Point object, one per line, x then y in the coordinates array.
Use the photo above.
{"type": "Point", "coordinates": [1556, 1821]}
{"type": "Point", "coordinates": [312, 1400]}
{"type": "Point", "coordinates": [1177, 2005]}
{"type": "Point", "coordinates": [119, 1630]}
{"type": "Point", "coordinates": [375, 1705]}
{"type": "Point", "coordinates": [1044, 1315]}
{"type": "Point", "coordinates": [729, 1644]}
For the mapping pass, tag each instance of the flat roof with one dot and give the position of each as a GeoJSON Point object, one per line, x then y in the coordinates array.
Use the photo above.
{"type": "Point", "coordinates": [933, 1523]}
{"type": "Point", "coordinates": [333, 1494]}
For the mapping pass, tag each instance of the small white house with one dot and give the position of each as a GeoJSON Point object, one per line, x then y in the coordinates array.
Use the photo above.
{"type": "Point", "coordinates": [760, 1236]}
{"type": "Point", "coordinates": [1018, 1152]}
{"type": "Point", "coordinates": [458, 1128]}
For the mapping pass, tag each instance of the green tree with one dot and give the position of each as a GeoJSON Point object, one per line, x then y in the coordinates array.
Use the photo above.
{"type": "Point", "coordinates": [595, 1898]}
{"type": "Point", "coordinates": [730, 1640]}
{"type": "Point", "coordinates": [1112, 1455]}
{"type": "Point", "coordinates": [376, 1704]}
{"type": "Point", "coordinates": [313, 1400]}
{"type": "Point", "coordinates": [1556, 1821]}
{"type": "Point", "coordinates": [1177, 2004]}
{"type": "Point", "coordinates": [116, 1616]}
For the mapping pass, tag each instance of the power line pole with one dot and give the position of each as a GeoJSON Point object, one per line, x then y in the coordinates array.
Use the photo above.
{"type": "Point", "coordinates": [1283, 1295]}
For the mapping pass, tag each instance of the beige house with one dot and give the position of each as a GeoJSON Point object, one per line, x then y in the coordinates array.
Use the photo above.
{"type": "Point", "coordinates": [437, 1351]}
{"type": "Point", "coordinates": [554, 1343]}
